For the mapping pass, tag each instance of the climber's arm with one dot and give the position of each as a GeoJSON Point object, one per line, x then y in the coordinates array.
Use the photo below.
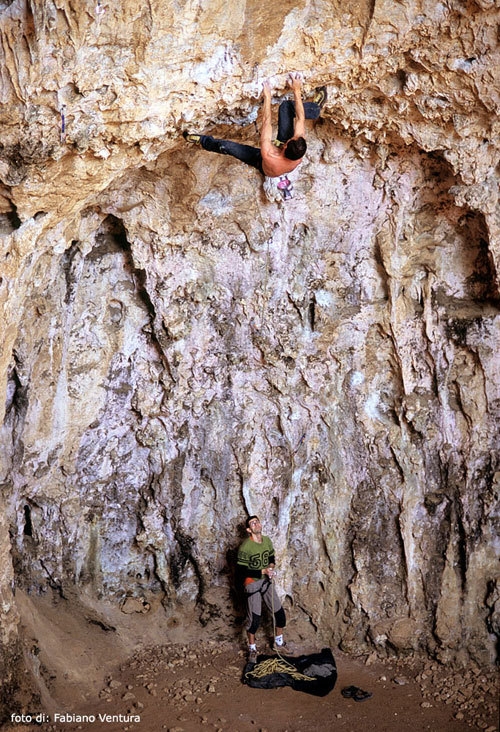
{"type": "Point", "coordinates": [299, 127]}
{"type": "Point", "coordinates": [266, 133]}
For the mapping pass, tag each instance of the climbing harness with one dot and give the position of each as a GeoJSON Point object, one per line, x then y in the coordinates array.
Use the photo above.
{"type": "Point", "coordinates": [262, 589]}
{"type": "Point", "coordinates": [285, 187]}
{"type": "Point", "coordinates": [278, 189]}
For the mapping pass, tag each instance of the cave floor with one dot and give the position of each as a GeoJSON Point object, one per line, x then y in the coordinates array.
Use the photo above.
{"type": "Point", "coordinates": [195, 687]}
{"type": "Point", "coordinates": [193, 682]}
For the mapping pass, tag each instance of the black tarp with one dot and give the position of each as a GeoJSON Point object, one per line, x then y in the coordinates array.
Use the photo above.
{"type": "Point", "coordinates": [320, 668]}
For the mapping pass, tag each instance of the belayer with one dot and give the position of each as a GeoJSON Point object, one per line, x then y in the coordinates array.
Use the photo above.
{"type": "Point", "coordinates": [256, 568]}
{"type": "Point", "coordinates": [274, 158]}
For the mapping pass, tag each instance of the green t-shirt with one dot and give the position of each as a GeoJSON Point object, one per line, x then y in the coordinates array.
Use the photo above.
{"type": "Point", "coordinates": [254, 557]}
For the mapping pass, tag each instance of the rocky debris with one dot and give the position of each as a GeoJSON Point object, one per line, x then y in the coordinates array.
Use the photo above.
{"type": "Point", "coordinates": [400, 680]}
{"type": "Point", "coordinates": [474, 691]}
{"type": "Point", "coordinates": [189, 689]}
{"type": "Point", "coordinates": [184, 661]}
{"type": "Point", "coordinates": [471, 692]}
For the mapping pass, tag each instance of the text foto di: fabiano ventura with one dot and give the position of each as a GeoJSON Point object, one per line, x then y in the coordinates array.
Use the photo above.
{"type": "Point", "coordinates": [91, 718]}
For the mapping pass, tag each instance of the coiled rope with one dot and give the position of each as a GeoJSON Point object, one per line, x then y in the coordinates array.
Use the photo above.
{"type": "Point", "coordinates": [276, 665]}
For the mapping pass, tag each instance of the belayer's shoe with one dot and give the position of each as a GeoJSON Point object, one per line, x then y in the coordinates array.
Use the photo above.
{"type": "Point", "coordinates": [252, 655]}
{"type": "Point", "coordinates": [354, 692]}
{"type": "Point", "coordinates": [320, 96]}
{"type": "Point", "coordinates": [285, 647]}
{"type": "Point", "coordinates": [191, 137]}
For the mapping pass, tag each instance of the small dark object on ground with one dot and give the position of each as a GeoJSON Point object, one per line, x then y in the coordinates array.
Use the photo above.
{"type": "Point", "coordinates": [354, 692]}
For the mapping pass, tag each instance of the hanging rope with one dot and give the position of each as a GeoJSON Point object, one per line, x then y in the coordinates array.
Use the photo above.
{"type": "Point", "coordinates": [277, 665]}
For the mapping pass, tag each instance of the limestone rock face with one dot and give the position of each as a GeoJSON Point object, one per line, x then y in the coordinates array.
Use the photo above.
{"type": "Point", "coordinates": [179, 350]}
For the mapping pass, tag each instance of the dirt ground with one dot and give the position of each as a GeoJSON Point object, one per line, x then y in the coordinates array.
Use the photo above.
{"type": "Point", "coordinates": [192, 684]}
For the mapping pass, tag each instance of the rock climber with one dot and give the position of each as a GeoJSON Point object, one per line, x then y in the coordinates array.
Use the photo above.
{"type": "Point", "coordinates": [256, 568]}
{"type": "Point", "coordinates": [281, 156]}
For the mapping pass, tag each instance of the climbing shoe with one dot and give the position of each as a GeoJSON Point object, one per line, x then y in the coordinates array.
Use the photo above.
{"type": "Point", "coordinates": [191, 138]}
{"type": "Point", "coordinates": [252, 655]}
{"type": "Point", "coordinates": [320, 96]}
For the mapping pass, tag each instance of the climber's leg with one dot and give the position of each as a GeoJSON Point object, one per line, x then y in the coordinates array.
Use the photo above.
{"type": "Point", "coordinates": [286, 114]}
{"type": "Point", "coordinates": [245, 153]}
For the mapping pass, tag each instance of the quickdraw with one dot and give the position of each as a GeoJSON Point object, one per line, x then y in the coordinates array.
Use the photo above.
{"type": "Point", "coordinates": [63, 123]}
{"type": "Point", "coordinates": [285, 187]}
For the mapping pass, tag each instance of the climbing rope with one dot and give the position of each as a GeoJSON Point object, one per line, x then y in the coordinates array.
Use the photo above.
{"type": "Point", "coordinates": [277, 665]}
{"type": "Point", "coordinates": [274, 620]}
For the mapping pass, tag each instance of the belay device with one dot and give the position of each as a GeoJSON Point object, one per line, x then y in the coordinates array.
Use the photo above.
{"type": "Point", "coordinates": [285, 186]}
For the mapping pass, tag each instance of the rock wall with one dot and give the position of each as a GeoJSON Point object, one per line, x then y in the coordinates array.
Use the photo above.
{"type": "Point", "coordinates": [178, 349]}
